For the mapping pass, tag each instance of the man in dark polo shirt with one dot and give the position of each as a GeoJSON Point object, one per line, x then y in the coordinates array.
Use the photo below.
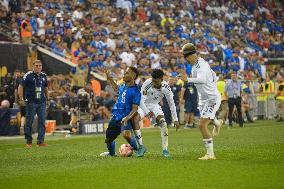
{"type": "Point", "coordinates": [34, 83]}
{"type": "Point", "coordinates": [189, 98]}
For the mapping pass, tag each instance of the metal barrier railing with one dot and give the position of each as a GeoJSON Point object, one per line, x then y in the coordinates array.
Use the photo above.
{"type": "Point", "coordinates": [264, 109]}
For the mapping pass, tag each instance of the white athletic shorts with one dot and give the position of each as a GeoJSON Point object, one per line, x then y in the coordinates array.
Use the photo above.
{"type": "Point", "coordinates": [155, 108]}
{"type": "Point", "coordinates": [209, 108]}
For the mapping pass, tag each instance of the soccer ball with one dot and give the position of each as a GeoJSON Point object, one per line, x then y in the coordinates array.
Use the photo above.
{"type": "Point", "coordinates": [125, 150]}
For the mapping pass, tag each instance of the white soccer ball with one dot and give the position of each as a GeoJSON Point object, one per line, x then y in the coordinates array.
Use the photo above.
{"type": "Point", "coordinates": [125, 150]}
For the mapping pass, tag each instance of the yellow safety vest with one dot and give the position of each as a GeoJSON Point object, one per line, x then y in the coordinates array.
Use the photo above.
{"type": "Point", "coordinates": [261, 96]}
{"type": "Point", "coordinates": [281, 96]}
{"type": "Point", "coordinates": [221, 89]}
{"type": "Point", "coordinates": [269, 88]}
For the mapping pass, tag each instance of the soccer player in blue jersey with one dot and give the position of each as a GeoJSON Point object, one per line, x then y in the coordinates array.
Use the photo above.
{"type": "Point", "coordinates": [123, 111]}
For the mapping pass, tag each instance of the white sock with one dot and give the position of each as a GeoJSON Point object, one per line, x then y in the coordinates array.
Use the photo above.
{"type": "Point", "coordinates": [208, 143]}
{"type": "Point", "coordinates": [138, 136]}
{"type": "Point", "coordinates": [164, 135]}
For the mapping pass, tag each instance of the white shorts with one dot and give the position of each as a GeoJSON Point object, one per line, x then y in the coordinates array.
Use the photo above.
{"type": "Point", "coordinates": [155, 108]}
{"type": "Point", "coordinates": [209, 108]}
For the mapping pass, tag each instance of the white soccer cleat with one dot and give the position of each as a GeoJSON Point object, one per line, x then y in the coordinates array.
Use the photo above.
{"type": "Point", "coordinates": [104, 154]}
{"type": "Point", "coordinates": [207, 157]}
{"type": "Point", "coordinates": [217, 126]}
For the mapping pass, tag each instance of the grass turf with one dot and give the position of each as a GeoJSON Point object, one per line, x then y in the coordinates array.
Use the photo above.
{"type": "Point", "coordinates": [250, 157]}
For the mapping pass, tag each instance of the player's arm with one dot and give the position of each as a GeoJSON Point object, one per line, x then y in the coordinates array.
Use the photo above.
{"type": "Point", "coordinates": [135, 103]}
{"type": "Point", "coordinates": [170, 99]}
{"type": "Point", "coordinates": [130, 115]}
{"type": "Point", "coordinates": [21, 89]}
{"type": "Point", "coordinates": [181, 97]}
{"type": "Point", "coordinates": [111, 81]}
{"type": "Point", "coordinates": [201, 78]}
{"type": "Point", "coordinates": [144, 94]}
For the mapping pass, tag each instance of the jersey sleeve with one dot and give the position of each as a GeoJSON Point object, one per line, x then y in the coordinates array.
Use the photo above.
{"type": "Point", "coordinates": [200, 78]}
{"type": "Point", "coordinates": [144, 94]}
{"type": "Point", "coordinates": [45, 79]}
{"type": "Point", "coordinates": [170, 99]}
{"type": "Point", "coordinates": [25, 79]}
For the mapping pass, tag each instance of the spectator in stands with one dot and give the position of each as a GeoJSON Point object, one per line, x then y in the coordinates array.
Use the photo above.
{"type": "Point", "coordinates": [26, 29]}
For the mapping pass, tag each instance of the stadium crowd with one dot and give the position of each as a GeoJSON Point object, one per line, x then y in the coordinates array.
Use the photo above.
{"type": "Point", "coordinates": [233, 36]}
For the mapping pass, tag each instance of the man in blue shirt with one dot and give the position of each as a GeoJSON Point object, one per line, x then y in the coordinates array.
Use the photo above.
{"type": "Point", "coordinates": [233, 89]}
{"type": "Point", "coordinates": [34, 83]}
{"type": "Point", "coordinates": [123, 111]}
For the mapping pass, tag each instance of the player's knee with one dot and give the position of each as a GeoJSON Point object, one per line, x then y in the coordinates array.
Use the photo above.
{"type": "Point", "coordinates": [126, 135]}
{"type": "Point", "coordinates": [135, 121]}
{"type": "Point", "coordinates": [108, 140]}
{"type": "Point", "coordinates": [160, 119]}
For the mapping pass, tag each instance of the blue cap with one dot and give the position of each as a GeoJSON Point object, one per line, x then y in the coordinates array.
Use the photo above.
{"type": "Point", "coordinates": [96, 33]}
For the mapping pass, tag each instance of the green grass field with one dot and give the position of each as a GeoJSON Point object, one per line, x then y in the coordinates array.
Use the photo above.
{"type": "Point", "coordinates": [250, 157]}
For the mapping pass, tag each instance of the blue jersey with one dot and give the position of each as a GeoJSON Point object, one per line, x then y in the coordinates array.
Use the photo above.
{"type": "Point", "coordinates": [127, 96]}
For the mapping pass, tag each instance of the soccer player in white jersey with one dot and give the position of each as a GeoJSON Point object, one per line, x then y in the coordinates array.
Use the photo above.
{"type": "Point", "coordinates": [152, 92]}
{"type": "Point", "coordinates": [205, 80]}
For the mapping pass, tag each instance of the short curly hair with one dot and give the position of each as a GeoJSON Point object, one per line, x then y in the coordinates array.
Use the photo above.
{"type": "Point", "coordinates": [157, 74]}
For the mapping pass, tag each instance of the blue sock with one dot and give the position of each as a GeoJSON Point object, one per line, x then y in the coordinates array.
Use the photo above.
{"type": "Point", "coordinates": [111, 148]}
{"type": "Point", "coordinates": [133, 143]}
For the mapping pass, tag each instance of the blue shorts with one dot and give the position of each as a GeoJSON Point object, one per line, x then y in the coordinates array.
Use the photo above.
{"type": "Point", "coordinates": [190, 107]}
{"type": "Point", "coordinates": [115, 128]}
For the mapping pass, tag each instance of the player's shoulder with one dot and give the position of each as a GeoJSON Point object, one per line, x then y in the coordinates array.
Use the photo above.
{"type": "Point", "coordinates": [121, 86]}
{"type": "Point", "coordinates": [202, 64]}
{"type": "Point", "coordinates": [147, 84]}
{"type": "Point", "coordinates": [136, 89]}
{"type": "Point", "coordinates": [147, 81]}
{"type": "Point", "coordinates": [28, 74]}
{"type": "Point", "coordinates": [166, 86]}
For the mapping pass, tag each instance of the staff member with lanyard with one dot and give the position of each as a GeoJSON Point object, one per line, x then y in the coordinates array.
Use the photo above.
{"type": "Point", "coordinates": [233, 90]}
{"type": "Point", "coordinates": [34, 83]}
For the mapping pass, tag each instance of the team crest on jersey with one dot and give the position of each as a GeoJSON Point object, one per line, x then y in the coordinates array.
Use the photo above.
{"type": "Point", "coordinates": [144, 92]}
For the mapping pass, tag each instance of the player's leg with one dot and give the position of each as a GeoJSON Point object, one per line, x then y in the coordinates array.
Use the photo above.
{"type": "Point", "coordinates": [208, 112]}
{"type": "Point", "coordinates": [190, 110]}
{"type": "Point", "coordinates": [136, 126]}
{"type": "Point", "coordinates": [138, 135]}
{"type": "Point", "coordinates": [224, 110]}
{"type": "Point", "coordinates": [164, 133]}
{"type": "Point", "coordinates": [186, 119]}
{"type": "Point", "coordinates": [127, 135]}
{"type": "Point", "coordinates": [186, 114]}
{"type": "Point", "coordinates": [191, 120]}
{"type": "Point", "coordinates": [207, 139]}
{"type": "Point", "coordinates": [217, 122]}
{"type": "Point", "coordinates": [113, 130]}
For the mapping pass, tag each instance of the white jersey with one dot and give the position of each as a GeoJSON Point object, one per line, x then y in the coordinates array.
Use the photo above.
{"type": "Point", "coordinates": [205, 81]}
{"type": "Point", "coordinates": [152, 96]}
